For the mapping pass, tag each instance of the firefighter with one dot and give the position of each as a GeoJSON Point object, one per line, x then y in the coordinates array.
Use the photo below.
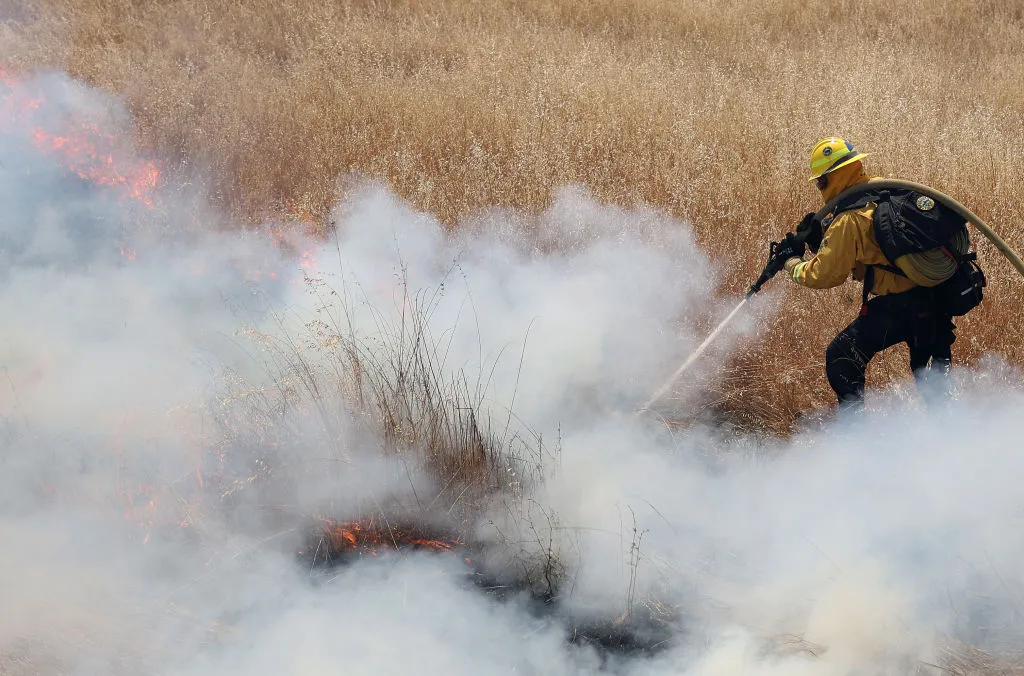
{"type": "Point", "coordinates": [894, 310]}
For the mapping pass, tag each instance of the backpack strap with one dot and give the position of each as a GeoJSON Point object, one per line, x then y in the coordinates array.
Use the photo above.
{"type": "Point", "coordinates": [869, 279]}
{"type": "Point", "coordinates": [858, 201]}
{"type": "Point", "coordinates": [869, 284]}
{"type": "Point", "coordinates": [861, 199]}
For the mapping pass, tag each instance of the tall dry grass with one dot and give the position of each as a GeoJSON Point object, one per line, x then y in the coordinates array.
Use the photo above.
{"type": "Point", "coordinates": [707, 109]}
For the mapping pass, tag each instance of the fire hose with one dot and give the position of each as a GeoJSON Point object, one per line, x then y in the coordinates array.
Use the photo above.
{"type": "Point", "coordinates": [779, 252]}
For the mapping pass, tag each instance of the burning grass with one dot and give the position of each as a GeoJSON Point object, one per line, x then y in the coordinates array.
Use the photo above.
{"type": "Point", "coordinates": [337, 541]}
{"type": "Point", "coordinates": [396, 388]}
{"type": "Point", "coordinates": [81, 144]}
{"type": "Point", "coordinates": [649, 628]}
{"type": "Point", "coordinates": [390, 393]}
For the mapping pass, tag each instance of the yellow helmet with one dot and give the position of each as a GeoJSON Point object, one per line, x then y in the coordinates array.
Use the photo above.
{"type": "Point", "coordinates": [830, 154]}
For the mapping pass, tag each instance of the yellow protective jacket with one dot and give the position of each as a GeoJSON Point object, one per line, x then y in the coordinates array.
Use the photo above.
{"type": "Point", "coordinates": [849, 245]}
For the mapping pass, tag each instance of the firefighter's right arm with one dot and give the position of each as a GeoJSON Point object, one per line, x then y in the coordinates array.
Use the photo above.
{"type": "Point", "coordinates": [835, 259]}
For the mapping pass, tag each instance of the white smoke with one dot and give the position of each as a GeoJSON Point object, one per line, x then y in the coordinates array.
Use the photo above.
{"type": "Point", "coordinates": [151, 513]}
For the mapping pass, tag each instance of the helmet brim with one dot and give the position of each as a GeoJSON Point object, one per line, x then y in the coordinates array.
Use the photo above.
{"type": "Point", "coordinates": [850, 159]}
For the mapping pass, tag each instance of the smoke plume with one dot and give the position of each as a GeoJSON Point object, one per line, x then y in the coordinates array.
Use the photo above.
{"type": "Point", "coordinates": [179, 410]}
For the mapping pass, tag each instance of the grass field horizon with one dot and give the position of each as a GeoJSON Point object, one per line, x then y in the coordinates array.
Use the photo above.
{"type": "Point", "coordinates": [706, 110]}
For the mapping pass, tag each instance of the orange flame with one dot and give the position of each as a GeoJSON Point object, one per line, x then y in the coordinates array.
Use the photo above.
{"type": "Point", "coordinates": [351, 537]}
{"type": "Point", "coordinates": [295, 240]}
{"type": "Point", "coordinates": [82, 147]}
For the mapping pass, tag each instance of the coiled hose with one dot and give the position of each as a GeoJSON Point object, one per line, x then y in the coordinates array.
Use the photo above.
{"type": "Point", "coordinates": [927, 268]}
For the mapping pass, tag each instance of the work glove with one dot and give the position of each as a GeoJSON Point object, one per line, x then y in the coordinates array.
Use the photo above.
{"type": "Point", "coordinates": [810, 232]}
{"type": "Point", "coordinates": [792, 246]}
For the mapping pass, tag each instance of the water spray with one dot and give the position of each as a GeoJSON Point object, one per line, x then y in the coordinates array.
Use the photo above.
{"type": "Point", "coordinates": [778, 253]}
{"type": "Point", "coordinates": [692, 358]}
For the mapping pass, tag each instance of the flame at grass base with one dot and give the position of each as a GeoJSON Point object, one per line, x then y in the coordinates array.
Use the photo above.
{"type": "Point", "coordinates": [336, 541]}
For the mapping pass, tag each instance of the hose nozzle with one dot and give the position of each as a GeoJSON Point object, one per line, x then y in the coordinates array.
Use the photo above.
{"type": "Point", "coordinates": [777, 256]}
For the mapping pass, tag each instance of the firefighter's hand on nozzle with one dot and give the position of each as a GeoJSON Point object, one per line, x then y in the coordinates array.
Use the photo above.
{"type": "Point", "coordinates": [778, 254]}
{"type": "Point", "coordinates": [810, 231]}
{"type": "Point", "coordinates": [792, 246]}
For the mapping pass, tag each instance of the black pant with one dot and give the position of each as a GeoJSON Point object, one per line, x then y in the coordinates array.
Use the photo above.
{"type": "Point", "coordinates": [908, 317]}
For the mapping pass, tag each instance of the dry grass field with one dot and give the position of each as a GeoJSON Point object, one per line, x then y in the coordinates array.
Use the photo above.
{"type": "Point", "coordinates": [704, 108]}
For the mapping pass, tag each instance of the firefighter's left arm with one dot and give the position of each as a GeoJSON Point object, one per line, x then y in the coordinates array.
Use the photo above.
{"type": "Point", "coordinates": [835, 258]}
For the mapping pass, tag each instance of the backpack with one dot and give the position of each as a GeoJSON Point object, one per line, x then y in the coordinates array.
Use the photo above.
{"type": "Point", "coordinates": [926, 235]}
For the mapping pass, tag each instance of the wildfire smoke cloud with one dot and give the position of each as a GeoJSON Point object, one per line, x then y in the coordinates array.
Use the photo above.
{"type": "Point", "coordinates": [172, 421]}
